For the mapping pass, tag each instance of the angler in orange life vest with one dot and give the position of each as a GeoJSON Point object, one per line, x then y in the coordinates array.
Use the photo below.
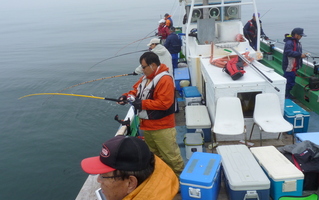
{"type": "Point", "coordinates": [250, 31]}
{"type": "Point", "coordinates": [127, 170]}
{"type": "Point", "coordinates": [154, 103]}
{"type": "Point", "coordinates": [169, 21]}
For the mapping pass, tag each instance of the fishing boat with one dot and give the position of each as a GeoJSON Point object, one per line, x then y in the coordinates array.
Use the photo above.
{"type": "Point", "coordinates": [212, 32]}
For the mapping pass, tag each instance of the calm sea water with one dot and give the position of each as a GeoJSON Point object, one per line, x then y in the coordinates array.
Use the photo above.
{"type": "Point", "coordinates": [49, 45]}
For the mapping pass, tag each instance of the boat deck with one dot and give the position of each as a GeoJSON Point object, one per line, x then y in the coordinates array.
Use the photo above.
{"type": "Point", "coordinates": [285, 139]}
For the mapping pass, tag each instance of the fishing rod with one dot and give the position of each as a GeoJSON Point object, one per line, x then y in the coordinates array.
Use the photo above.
{"type": "Point", "coordinates": [135, 42]}
{"type": "Point", "coordinates": [255, 68]}
{"type": "Point", "coordinates": [115, 57]}
{"type": "Point", "coordinates": [76, 95]}
{"type": "Point", "coordinates": [94, 81]}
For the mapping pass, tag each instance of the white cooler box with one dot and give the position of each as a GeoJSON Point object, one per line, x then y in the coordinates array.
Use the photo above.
{"type": "Point", "coordinates": [244, 178]}
{"type": "Point", "coordinates": [200, 179]}
{"type": "Point", "coordinates": [285, 178]}
{"type": "Point", "coordinates": [193, 143]}
{"type": "Point", "coordinates": [197, 120]}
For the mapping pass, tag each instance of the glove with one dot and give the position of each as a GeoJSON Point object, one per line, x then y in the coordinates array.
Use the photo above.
{"type": "Point", "coordinates": [134, 73]}
{"type": "Point", "coordinates": [122, 100]}
{"type": "Point", "coordinates": [266, 38]}
{"type": "Point", "coordinates": [137, 104]}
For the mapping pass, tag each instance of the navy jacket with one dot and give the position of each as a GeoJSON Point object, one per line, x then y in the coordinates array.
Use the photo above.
{"type": "Point", "coordinates": [173, 43]}
{"type": "Point", "coordinates": [291, 60]}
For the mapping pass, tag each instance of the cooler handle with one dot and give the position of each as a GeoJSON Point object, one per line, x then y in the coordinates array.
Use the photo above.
{"type": "Point", "coordinates": [298, 117]}
{"type": "Point", "coordinates": [251, 195]}
{"type": "Point", "coordinates": [194, 193]}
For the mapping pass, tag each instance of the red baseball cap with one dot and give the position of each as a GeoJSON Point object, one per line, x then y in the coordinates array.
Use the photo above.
{"type": "Point", "coordinates": [119, 153]}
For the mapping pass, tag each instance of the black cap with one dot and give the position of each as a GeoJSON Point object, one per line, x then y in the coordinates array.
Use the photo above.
{"type": "Point", "coordinates": [119, 153]}
{"type": "Point", "coordinates": [298, 31]}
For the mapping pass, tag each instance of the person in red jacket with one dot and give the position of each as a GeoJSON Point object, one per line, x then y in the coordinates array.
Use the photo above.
{"type": "Point", "coordinates": [163, 31]}
{"type": "Point", "coordinates": [154, 95]}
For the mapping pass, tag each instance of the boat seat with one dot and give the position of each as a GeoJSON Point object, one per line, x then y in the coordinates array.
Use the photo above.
{"type": "Point", "coordinates": [268, 116]}
{"type": "Point", "coordinates": [229, 118]}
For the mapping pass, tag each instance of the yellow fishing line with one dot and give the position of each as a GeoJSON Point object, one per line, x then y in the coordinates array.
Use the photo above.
{"type": "Point", "coordinates": [76, 95]}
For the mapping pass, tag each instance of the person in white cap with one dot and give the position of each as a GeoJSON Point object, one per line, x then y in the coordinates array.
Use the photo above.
{"type": "Point", "coordinates": [163, 31]}
{"type": "Point", "coordinates": [163, 54]}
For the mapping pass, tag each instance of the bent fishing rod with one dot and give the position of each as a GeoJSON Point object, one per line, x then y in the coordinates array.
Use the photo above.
{"type": "Point", "coordinates": [75, 95]}
{"type": "Point", "coordinates": [135, 42]}
{"type": "Point", "coordinates": [255, 68]}
{"type": "Point", "coordinates": [99, 79]}
{"type": "Point", "coordinates": [115, 57]}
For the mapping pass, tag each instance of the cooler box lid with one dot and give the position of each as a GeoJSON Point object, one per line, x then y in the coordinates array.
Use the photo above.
{"type": "Point", "coordinates": [201, 170]}
{"type": "Point", "coordinates": [292, 109]}
{"type": "Point", "coordinates": [311, 136]}
{"type": "Point", "coordinates": [181, 73]}
{"type": "Point", "coordinates": [193, 139]}
{"type": "Point", "coordinates": [197, 117]}
{"type": "Point", "coordinates": [191, 91]}
{"type": "Point", "coordinates": [241, 168]}
{"type": "Point", "coordinates": [276, 165]}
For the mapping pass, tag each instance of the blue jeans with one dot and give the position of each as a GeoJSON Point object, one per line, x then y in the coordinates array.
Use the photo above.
{"type": "Point", "coordinates": [174, 59]}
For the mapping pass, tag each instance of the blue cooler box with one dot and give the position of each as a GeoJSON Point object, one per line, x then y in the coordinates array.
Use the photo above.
{"type": "Point", "coordinates": [244, 178]}
{"type": "Point", "coordinates": [285, 178]}
{"type": "Point", "coordinates": [191, 95]}
{"type": "Point", "coordinates": [198, 120]}
{"type": "Point", "coordinates": [200, 178]}
{"type": "Point", "coordinates": [311, 136]}
{"type": "Point", "coordinates": [297, 116]}
{"type": "Point", "coordinates": [179, 75]}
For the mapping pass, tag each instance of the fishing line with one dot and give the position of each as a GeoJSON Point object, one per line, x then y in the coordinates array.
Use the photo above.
{"type": "Point", "coordinates": [115, 57]}
{"type": "Point", "coordinates": [136, 41]}
{"type": "Point", "coordinates": [94, 81]}
{"type": "Point", "coordinates": [76, 95]}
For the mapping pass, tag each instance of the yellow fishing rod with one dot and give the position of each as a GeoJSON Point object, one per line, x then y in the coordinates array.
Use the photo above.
{"type": "Point", "coordinates": [99, 79]}
{"type": "Point", "coordinates": [75, 95]}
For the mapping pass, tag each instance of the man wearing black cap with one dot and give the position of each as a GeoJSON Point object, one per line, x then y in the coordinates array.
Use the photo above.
{"type": "Point", "coordinates": [292, 57]}
{"type": "Point", "coordinates": [128, 170]}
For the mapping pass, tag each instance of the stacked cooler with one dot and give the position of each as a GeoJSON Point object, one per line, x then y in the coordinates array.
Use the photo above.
{"type": "Point", "coordinates": [285, 178]}
{"type": "Point", "coordinates": [297, 116]}
{"type": "Point", "coordinates": [198, 120]}
{"type": "Point", "coordinates": [200, 178]}
{"type": "Point", "coordinates": [244, 178]}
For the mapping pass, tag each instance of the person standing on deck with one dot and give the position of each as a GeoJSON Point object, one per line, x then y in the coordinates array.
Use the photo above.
{"type": "Point", "coordinates": [154, 103]}
{"type": "Point", "coordinates": [173, 44]}
{"type": "Point", "coordinates": [250, 31]}
{"type": "Point", "coordinates": [128, 170]}
{"type": "Point", "coordinates": [168, 19]}
{"type": "Point", "coordinates": [292, 57]}
{"type": "Point", "coordinates": [163, 31]}
{"type": "Point", "coordinates": [163, 54]}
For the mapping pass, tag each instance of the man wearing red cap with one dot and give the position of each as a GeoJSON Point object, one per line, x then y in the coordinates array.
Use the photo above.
{"type": "Point", "coordinates": [128, 170]}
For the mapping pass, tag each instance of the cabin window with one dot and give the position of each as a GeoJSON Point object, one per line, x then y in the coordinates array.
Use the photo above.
{"type": "Point", "coordinates": [248, 102]}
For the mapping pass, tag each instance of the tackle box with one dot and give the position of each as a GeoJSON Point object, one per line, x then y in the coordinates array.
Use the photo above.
{"type": "Point", "coordinates": [191, 95]}
{"type": "Point", "coordinates": [197, 120]}
{"type": "Point", "coordinates": [243, 176]}
{"type": "Point", "coordinates": [193, 143]}
{"type": "Point", "coordinates": [201, 177]}
{"type": "Point", "coordinates": [311, 136]}
{"type": "Point", "coordinates": [297, 116]}
{"type": "Point", "coordinates": [285, 178]}
{"type": "Point", "coordinates": [179, 75]}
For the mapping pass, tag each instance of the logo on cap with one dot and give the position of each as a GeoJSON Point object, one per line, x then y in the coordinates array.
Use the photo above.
{"type": "Point", "coordinates": [105, 152]}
